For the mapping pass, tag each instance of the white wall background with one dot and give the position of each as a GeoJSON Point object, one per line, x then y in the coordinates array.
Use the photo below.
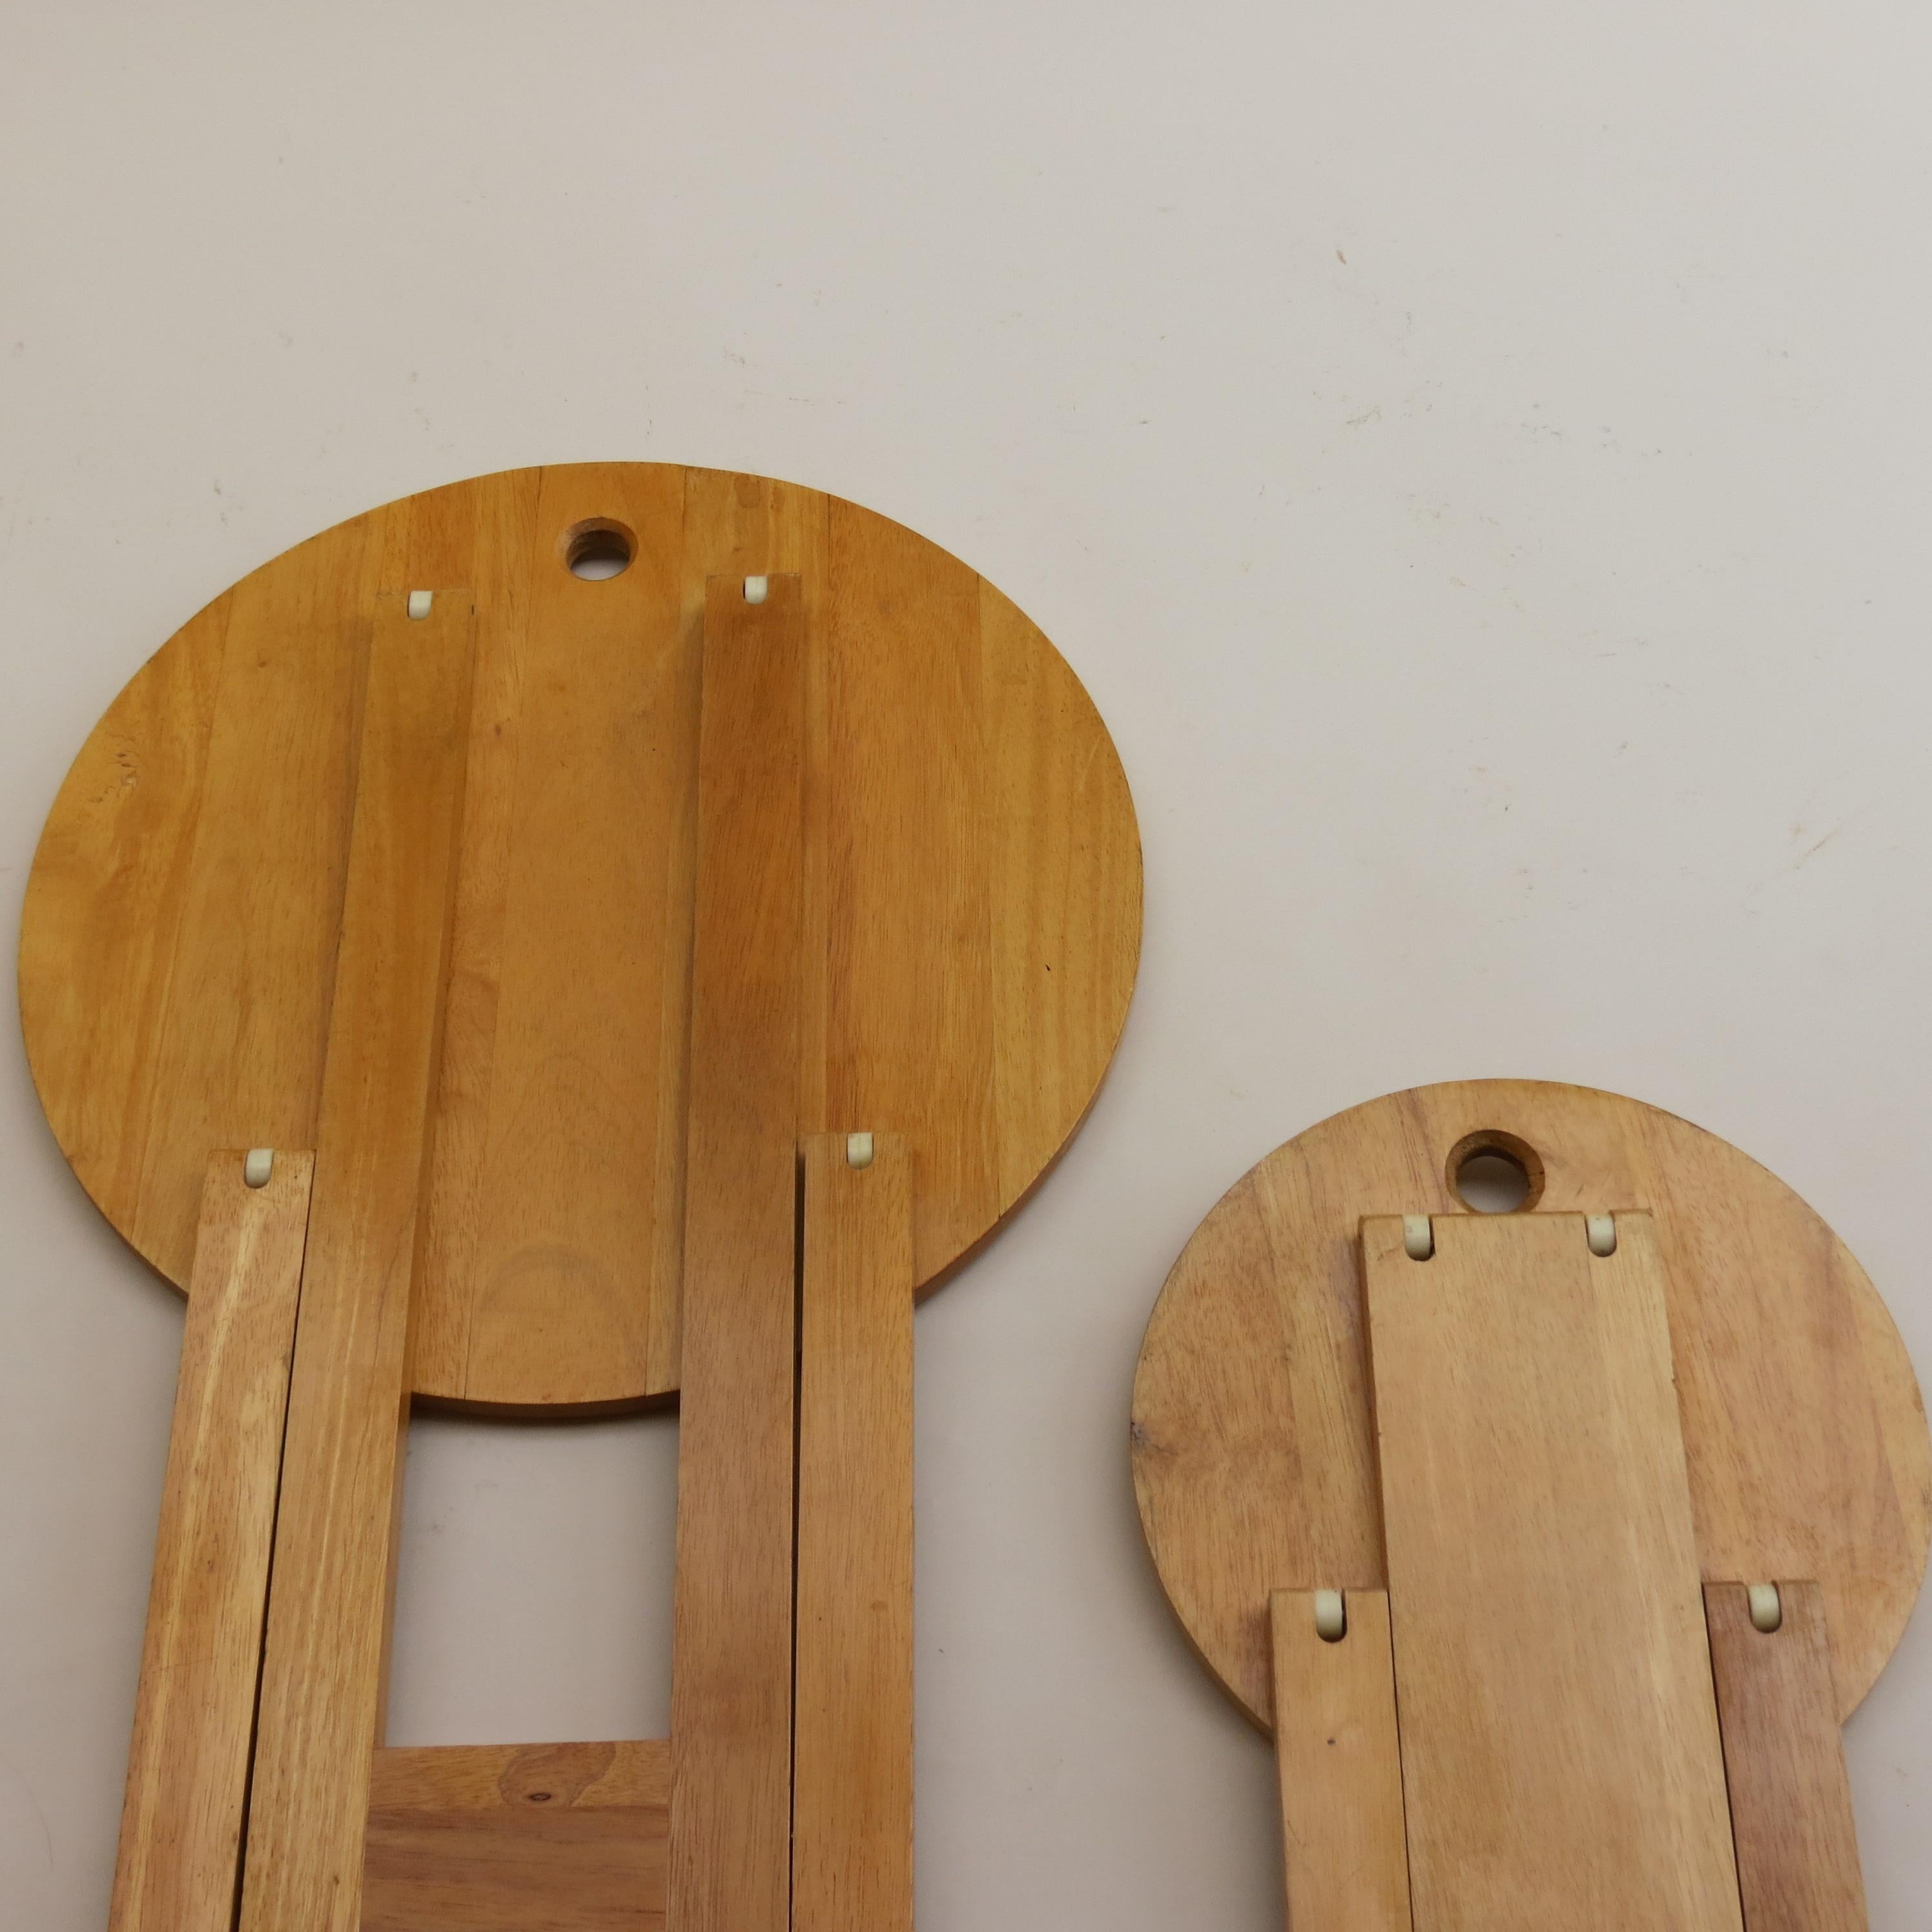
{"type": "Point", "coordinates": [1476, 457]}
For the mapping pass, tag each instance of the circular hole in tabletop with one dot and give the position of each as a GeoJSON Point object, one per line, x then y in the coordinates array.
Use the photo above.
{"type": "Point", "coordinates": [598, 550]}
{"type": "Point", "coordinates": [1495, 1173]}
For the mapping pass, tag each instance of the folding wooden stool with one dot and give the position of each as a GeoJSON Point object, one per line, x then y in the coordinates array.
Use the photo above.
{"type": "Point", "coordinates": [557, 941]}
{"type": "Point", "coordinates": [1552, 1545]}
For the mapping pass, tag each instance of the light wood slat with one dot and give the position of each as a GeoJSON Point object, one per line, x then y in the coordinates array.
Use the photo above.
{"type": "Point", "coordinates": [1561, 1761]}
{"type": "Point", "coordinates": [481, 533]}
{"type": "Point", "coordinates": [518, 1838]}
{"type": "Point", "coordinates": [194, 1716]}
{"type": "Point", "coordinates": [1784, 1760]}
{"type": "Point", "coordinates": [582, 1155]}
{"type": "Point", "coordinates": [326, 1654]}
{"type": "Point", "coordinates": [732, 1617]}
{"type": "Point", "coordinates": [852, 1817]}
{"type": "Point", "coordinates": [1344, 1858]}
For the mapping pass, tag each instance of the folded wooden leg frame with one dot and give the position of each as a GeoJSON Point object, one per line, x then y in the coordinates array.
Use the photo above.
{"type": "Point", "coordinates": [1552, 1544]}
{"type": "Point", "coordinates": [260, 1792]}
{"type": "Point", "coordinates": [1528, 1713]}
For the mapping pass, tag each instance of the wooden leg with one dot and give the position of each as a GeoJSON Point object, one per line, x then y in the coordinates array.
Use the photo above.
{"type": "Point", "coordinates": [731, 1822]}
{"type": "Point", "coordinates": [324, 1665]}
{"type": "Point", "coordinates": [194, 1720]}
{"type": "Point", "coordinates": [852, 1796]}
{"type": "Point", "coordinates": [1559, 1734]}
{"type": "Point", "coordinates": [1784, 1758]}
{"type": "Point", "coordinates": [1345, 1861]}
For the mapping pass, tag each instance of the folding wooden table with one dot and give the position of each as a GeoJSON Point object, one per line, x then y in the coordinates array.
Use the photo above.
{"type": "Point", "coordinates": [555, 942]}
{"type": "Point", "coordinates": [1552, 1545]}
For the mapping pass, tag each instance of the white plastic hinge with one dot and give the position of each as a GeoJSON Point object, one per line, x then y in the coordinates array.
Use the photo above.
{"type": "Point", "coordinates": [858, 1150]}
{"type": "Point", "coordinates": [257, 1164]}
{"type": "Point", "coordinates": [755, 588]}
{"type": "Point", "coordinates": [1767, 1608]}
{"type": "Point", "coordinates": [419, 602]}
{"type": "Point", "coordinates": [1331, 1616]}
{"type": "Point", "coordinates": [1601, 1230]}
{"type": "Point", "coordinates": [1418, 1236]}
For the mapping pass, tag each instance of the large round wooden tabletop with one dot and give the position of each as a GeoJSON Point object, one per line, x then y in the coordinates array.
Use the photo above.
{"type": "Point", "coordinates": [1253, 1440]}
{"type": "Point", "coordinates": [970, 869]}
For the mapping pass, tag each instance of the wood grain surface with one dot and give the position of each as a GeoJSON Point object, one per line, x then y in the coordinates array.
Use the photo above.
{"type": "Point", "coordinates": [852, 1812]}
{"type": "Point", "coordinates": [1253, 1461]}
{"type": "Point", "coordinates": [194, 1720]}
{"type": "Point", "coordinates": [561, 1140]}
{"type": "Point", "coordinates": [731, 1682]}
{"type": "Point", "coordinates": [1345, 1852]}
{"type": "Point", "coordinates": [971, 899]}
{"type": "Point", "coordinates": [325, 1659]}
{"type": "Point", "coordinates": [1791, 1802]}
{"type": "Point", "coordinates": [517, 1838]}
{"type": "Point", "coordinates": [1560, 1762]}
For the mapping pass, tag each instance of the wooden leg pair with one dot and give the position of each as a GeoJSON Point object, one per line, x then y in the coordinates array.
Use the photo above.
{"type": "Point", "coordinates": [260, 1708]}
{"type": "Point", "coordinates": [501, 1837]}
{"type": "Point", "coordinates": [791, 1690]}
